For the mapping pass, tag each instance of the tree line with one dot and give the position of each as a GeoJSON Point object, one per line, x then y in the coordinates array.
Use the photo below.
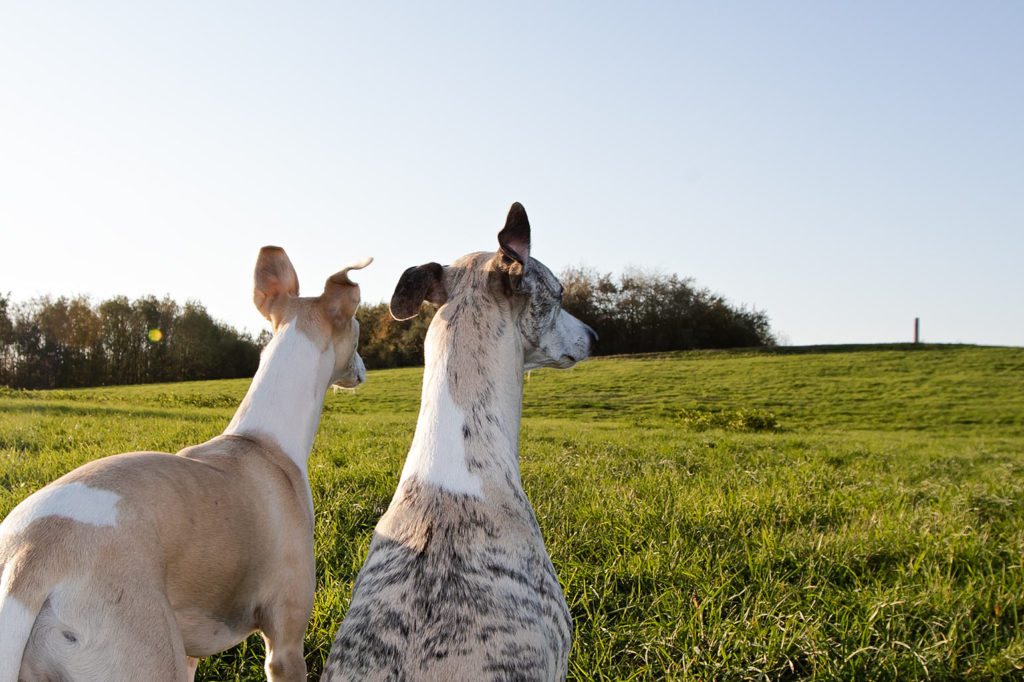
{"type": "Point", "coordinates": [70, 342]}
{"type": "Point", "coordinates": [636, 312]}
{"type": "Point", "coordinates": [642, 312]}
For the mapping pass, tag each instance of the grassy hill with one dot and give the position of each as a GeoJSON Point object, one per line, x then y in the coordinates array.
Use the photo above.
{"type": "Point", "coordinates": [799, 513]}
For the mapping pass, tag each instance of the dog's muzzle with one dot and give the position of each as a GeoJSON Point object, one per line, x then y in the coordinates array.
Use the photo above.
{"type": "Point", "coordinates": [354, 374]}
{"type": "Point", "coordinates": [589, 341]}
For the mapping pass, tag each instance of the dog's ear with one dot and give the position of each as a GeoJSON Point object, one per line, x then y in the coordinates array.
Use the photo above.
{"type": "Point", "coordinates": [341, 294]}
{"type": "Point", "coordinates": [514, 238]}
{"type": "Point", "coordinates": [418, 284]}
{"type": "Point", "coordinates": [514, 245]}
{"type": "Point", "coordinates": [274, 281]}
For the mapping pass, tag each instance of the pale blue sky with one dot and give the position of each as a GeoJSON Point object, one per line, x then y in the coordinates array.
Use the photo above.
{"type": "Point", "coordinates": [843, 166]}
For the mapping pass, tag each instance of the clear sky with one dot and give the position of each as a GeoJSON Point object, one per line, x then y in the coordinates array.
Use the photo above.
{"type": "Point", "coordinates": [843, 166]}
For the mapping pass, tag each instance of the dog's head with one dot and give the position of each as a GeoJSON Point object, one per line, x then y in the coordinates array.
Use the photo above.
{"type": "Point", "coordinates": [510, 281]}
{"type": "Point", "coordinates": [328, 319]}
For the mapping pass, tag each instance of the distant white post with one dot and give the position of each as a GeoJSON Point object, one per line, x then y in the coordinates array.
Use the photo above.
{"type": "Point", "coordinates": [917, 329]}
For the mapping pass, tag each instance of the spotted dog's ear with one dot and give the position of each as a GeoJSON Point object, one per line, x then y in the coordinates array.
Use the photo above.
{"type": "Point", "coordinates": [514, 244]}
{"type": "Point", "coordinates": [274, 282]}
{"type": "Point", "coordinates": [514, 238]}
{"type": "Point", "coordinates": [418, 284]}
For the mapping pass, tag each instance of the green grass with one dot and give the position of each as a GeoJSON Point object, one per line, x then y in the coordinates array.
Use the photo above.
{"type": "Point", "coordinates": [830, 514]}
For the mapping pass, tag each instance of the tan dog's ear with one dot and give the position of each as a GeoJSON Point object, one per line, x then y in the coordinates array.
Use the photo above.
{"type": "Point", "coordinates": [418, 284]}
{"type": "Point", "coordinates": [275, 278]}
{"type": "Point", "coordinates": [514, 244]}
{"type": "Point", "coordinates": [341, 294]}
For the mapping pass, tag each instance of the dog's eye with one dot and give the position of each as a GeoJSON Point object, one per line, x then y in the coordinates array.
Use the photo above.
{"type": "Point", "coordinates": [554, 287]}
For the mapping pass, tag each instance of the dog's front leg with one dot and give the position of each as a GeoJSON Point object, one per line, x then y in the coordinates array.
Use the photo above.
{"type": "Point", "coordinates": [193, 665]}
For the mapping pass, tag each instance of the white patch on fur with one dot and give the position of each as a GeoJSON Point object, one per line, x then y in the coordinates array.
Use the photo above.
{"type": "Point", "coordinates": [287, 394]}
{"type": "Point", "coordinates": [15, 625]}
{"type": "Point", "coordinates": [438, 452]}
{"type": "Point", "coordinates": [75, 501]}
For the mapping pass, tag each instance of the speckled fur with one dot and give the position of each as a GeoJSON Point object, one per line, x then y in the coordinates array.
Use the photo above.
{"type": "Point", "coordinates": [458, 586]}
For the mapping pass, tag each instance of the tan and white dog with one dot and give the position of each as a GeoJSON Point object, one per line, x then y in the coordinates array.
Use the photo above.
{"type": "Point", "coordinates": [128, 566]}
{"type": "Point", "coordinates": [457, 584]}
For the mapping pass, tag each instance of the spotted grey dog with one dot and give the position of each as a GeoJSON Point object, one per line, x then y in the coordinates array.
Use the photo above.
{"type": "Point", "coordinates": [457, 584]}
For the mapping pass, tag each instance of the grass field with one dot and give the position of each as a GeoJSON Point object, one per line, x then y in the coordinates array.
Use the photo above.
{"type": "Point", "coordinates": [824, 513]}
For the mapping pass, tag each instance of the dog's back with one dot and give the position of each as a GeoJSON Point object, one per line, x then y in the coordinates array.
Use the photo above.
{"type": "Point", "coordinates": [86, 598]}
{"type": "Point", "coordinates": [454, 588]}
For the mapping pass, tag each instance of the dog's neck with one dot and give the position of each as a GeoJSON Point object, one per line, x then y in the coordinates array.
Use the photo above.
{"type": "Point", "coordinates": [287, 394]}
{"type": "Point", "coordinates": [467, 434]}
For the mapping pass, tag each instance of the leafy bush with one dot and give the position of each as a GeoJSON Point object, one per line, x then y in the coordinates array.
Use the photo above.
{"type": "Point", "coordinates": [385, 342]}
{"type": "Point", "coordinates": [642, 312]}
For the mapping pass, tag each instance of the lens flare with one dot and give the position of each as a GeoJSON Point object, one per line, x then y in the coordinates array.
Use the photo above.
{"type": "Point", "coordinates": [155, 335]}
